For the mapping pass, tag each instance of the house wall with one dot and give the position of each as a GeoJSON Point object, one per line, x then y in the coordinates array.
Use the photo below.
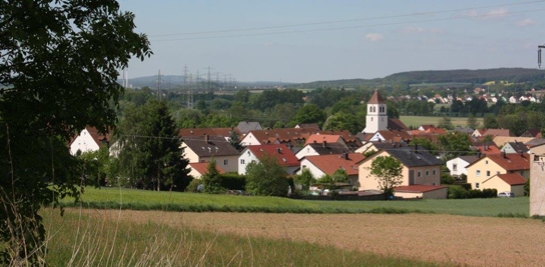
{"type": "Point", "coordinates": [249, 140]}
{"type": "Point", "coordinates": [507, 148]}
{"type": "Point", "coordinates": [190, 154]}
{"type": "Point", "coordinates": [306, 164]}
{"type": "Point", "coordinates": [460, 167]}
{"type": "Point", "coordinates": [244, 159]}
{"type": "Point", "coordinates": [84, 143]}
{"type": "Point", "coordinates": [537, 181]}
{"type": "Point", "coordinates": [501, 186]}
{"type": "Point", "coordinates": [230, 166]}
{"type": "Point", "coordinates": [435, 194]}
{"type": "Point", "coordinates": [306, 151]}
{"type": "Point", "coordinates": [368, 182]}
{"type": "Point", "coordinates": [486, 165]}
{"type": "Point", "coordinates": [408, 194]}
{"type": "Point", "coordinates": [195, 174]}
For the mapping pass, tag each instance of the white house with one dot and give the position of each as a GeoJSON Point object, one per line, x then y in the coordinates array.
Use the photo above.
{"type": "Point", "coordinates": [457, 166]}
{"type": "Point", "coordinates": [282, 153]}
{"type": "Point", "coordinates": [88, 140]}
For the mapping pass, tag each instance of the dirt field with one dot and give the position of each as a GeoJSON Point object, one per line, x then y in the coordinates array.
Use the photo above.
{"type": "Point", "coordinates": [473, 241]}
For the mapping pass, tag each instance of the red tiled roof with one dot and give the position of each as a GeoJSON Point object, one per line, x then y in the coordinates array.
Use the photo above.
{"type": "Point", "coordinates": [346, 135]}
{"type": "Point", "coordinates": [97, 137]}
{"type": "Point", "coordinates": [376, 98]}
{"type": "Point", "coordinates": [320, 138]}
{"type": "Point", "coordinates": [488, 149]}
{"type": "Point", "coordinates": [330, 163]}
{"type": "Point", "coordinates": [418, 188]}
{"type": "Point", "coordinates": [395, 136]}
{"type": "Point", "coordinates": [281, 152]}
{"type": "Point", "coordinates": [512, 178]}
{"type": "Point", "coordinates": [283, 135]}
{"type": "Point", "coordinates": [511, 162]}
{"type": "Point", "coordinates": [202, 167]}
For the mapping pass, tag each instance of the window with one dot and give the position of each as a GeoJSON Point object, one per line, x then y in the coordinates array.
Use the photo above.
{"type": "Point", "coordinates": [476, 185]}
{"type": "Point", "coordinates": [486, 162]}
{"type": "Point", "coordinates": [478, 173]}
{"type": "Point", "coordinates": [454, 167]}
{"type": "Point", "coordinates": [225, 161]}
{"type": "Point", "coordinates": [242, 162]}
{"type": "Point", "coordinates": [419, 174]}
{"type": "Point", "coordinates": [433, 172]}
{"type": "Point", "coordinates": [248, 153]}
{"type": "Point", "coordinates": [381, 108]}
{"type": "Point", "coordinates": [427, 173]}
{"type": "Point", "coordinates": [304, 166]}
{"type": "Point", "coordinates": [487, 173]}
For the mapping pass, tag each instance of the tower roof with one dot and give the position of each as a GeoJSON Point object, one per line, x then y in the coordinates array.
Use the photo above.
{"type": "Point", "coordinates": [376, 99]}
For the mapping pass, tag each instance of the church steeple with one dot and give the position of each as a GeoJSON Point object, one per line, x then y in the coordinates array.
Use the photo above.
{"type": "Point", "coordinates": [377, 114]}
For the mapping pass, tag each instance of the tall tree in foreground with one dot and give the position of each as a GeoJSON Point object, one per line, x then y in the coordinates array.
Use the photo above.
{"type": "Point", "coordinates": [266, 178]}
{"type": "Point", "coordinates": [387, 172]}
{"type": "Point", "coordinates": [150, 153]}
{"type": "Point", "coordinates": [59, 64]}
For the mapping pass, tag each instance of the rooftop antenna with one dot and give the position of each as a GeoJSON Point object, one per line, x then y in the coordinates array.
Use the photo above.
{"type": "Point", "coordinates": [539, 55]}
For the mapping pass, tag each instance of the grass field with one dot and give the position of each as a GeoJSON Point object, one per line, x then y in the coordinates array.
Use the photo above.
{"type": "Point", "coordinates": [115, 198]}
{"type": "Point", "coordinates": [113, 238]}
{"type": "Point", "coordinates": [416, 121]}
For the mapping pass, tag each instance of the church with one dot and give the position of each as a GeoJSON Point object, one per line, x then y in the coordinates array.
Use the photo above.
{"type": "Point", "coordinates": [377, 117]}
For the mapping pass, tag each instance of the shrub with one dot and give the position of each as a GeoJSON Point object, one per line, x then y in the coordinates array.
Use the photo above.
{"type": "Point", "coordinates": [233, 181]}
{"type": "Point", "coordinates": [447, 178]}
{"type": "Point", "coordinates": [194, 186]}
{"type": "Point", "coordinates": [457, 192]}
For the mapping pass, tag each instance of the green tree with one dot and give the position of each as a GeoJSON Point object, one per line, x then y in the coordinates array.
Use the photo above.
{"type": "Point", "coordinates": [95, 166]}
{"type": "Point", "coordinates": [305, 179]}
{"type": "Point", "coordinates": [59, 65]}
{"type": "Point", "coordinates": [266, 178]}
{"type": "Point", "coordinates": [388, 173]}
{"type": "Point", "coordinates": [490, 121]}
{"type": "Point", "coordinates": [234, 140]}
{"type": "Point", "coordinates": [454, 144]}
{"type": "Point", "coordinates": [309, 113]}
{"type": "Point", "coordinates": [212, 179]}
{"type": "Point", "coordinates": [425, 143]}
{"type": "Point", "coordinates": [472, 121]}
{"type": "Point", "coordinates": [150, 154]}
{"type": "Point", "coordinates": [446, 123]}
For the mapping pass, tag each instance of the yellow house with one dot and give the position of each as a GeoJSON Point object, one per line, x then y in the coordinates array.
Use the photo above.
{"type": "Point", "coordinates": [419, 167]}
{"type": "Point", "coordinates": [490, 165]}
{"type": "Point", "coordinates": [511, 182]}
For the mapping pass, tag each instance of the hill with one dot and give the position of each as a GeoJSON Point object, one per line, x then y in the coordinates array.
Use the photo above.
{"type": "Point", "coordinates": [516, 75]}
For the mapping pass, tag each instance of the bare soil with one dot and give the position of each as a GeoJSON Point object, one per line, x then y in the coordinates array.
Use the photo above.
{"type": "Point", "coordinates": [473, 241]}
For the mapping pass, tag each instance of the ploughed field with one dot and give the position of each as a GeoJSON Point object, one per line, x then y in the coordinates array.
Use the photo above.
{"type": "Point", "coordinates": [439, 238]}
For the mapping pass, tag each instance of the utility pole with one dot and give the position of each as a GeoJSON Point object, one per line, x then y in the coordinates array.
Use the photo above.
{"type": "Point", "coordinates": [539, 55]}
{"type": "Point", "coordinates": [209, 89]}
{"type": "Point", "coordinates": [190, 93]}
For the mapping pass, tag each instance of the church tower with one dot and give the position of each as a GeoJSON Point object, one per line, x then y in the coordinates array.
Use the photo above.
{"type": "Point", "coordinates": [377, 115]}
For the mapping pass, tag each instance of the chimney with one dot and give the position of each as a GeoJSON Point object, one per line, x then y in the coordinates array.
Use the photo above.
{"type": "Point", "coordinates": [479, 154]}
{"type": "Point", "coordinates": [345, 155]}
{"type": "Point", "coordinates": [503, 155]}
{"type": "Point", "coordinates": [521, 153]}
{"type": "Point", "coordinates": [415, 148]}
{"type": "Point", "coordinates": [206, 138]}
{"type": "Point", "coordinates": [279, 150]}
{"type": "Point", "coordinates": [324, 144]}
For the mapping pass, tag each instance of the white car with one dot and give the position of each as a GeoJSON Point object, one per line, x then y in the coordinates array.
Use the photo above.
{"type": "Point", "coordinates": [506, 194]}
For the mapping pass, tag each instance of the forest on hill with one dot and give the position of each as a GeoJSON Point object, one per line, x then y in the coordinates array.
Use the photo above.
{"type": "Point", "coordinates": [515, 75]}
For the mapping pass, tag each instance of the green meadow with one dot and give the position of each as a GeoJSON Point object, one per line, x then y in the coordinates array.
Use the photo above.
{"type": "Point", "coordinates": [121, 198]}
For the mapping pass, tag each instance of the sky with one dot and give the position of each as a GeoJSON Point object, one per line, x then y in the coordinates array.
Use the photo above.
{"type": "Point", "coordinates": [314, 40]}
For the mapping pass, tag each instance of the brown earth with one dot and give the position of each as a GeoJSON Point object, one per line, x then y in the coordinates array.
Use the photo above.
{"type": "Point", "coordinates": [474, 241]}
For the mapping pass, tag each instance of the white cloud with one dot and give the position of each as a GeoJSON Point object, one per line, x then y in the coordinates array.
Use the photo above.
{"type": "Point", "coordinates": [374, 37]}
{"type": "Point", "coordinates": [492, 14]}
{"type": "Point", "coordinates": [526, 22]}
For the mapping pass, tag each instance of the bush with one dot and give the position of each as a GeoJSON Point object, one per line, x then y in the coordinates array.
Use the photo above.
{"type": "Point", "coordinates": [447, 178]}
{"type": "Point", "coordinates": [194, 186]}
{"type": "Point", "coordinates": [457, 192]}
{"type": "Point", "coordinates": [233, 181]}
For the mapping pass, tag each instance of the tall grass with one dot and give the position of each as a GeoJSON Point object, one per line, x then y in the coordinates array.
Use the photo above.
{"type": "Point", "coordinates": [110, 198]}
{"type": "Point", "coordinates": [77, 240]}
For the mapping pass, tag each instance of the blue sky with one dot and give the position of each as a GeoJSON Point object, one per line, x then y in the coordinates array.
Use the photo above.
{"type": "Point", "coordinates": [303, 41]}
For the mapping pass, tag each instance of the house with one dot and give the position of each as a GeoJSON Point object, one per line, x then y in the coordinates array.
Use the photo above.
{"type": "Point", "coordinates": [500, 141]}
{"type": "Point", "coordinates": [536, 133]}
{"type": "Point", "coordinates": [486, 148]}
{"type": "Point", "coordinates": [89, 139]}
{"type": "Point", "coordinates": [325, 139]}
{"type": "Point", "coordinates": [421, 191]}
{"type": "Point", "coordinates": [310, 126]}
{"type": "Point", "coordinates": [206, 148]}
{"type": "Point", "coordinates": [535, 142]}
{"type": "Point", "coordinates": [419, 167]}
{"type": "Point", "coordinates": [289, 136]}
{"type": "Point", "coordinates": [188, 133]}
{"type": "Point", "coordinates": [324, 148]}
{"type": "Point", "coordinates": [282, 153]}
{"type": "Point", "coordinates": [328, 164]}
{"type": "Point", "coordinates": [478, 133]}
{"type": "Point", "coordinates": [457, 166]}
{"type": "Point", "coordinates": [390, 136]}
{"type": "Point", "coordinates": [511, 182]}
{"type": "Point", "coordinates": [246, 126]}
{"type": "Point", "coordinates": [198, 169]}
{"type": "Point", "coordinates": [493, 164]}
{"type": "Point", "coordinates": [465, 130]}
{"type": "Point", "coordinates": [514, 147]}
{"type": "Point", "coordinates": [351, 141]}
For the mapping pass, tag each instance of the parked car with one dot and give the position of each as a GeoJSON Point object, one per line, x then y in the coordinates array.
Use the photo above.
{"type": "Point", "coordinates": [506, 194]}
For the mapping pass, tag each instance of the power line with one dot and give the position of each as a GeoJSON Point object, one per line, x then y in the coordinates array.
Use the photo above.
{"type": "Point", "coordinates": [348, 20]}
